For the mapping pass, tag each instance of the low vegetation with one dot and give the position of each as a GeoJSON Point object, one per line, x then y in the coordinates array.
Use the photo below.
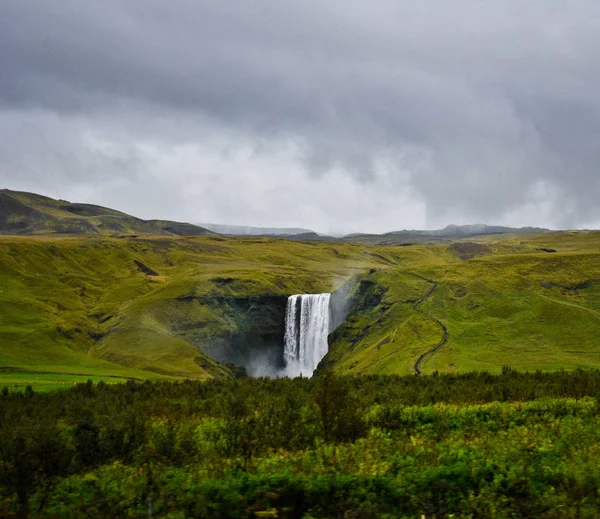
{"type": "Point", "coordinates": [502, 422]}
{"type": "Point", "coordinates": [472, 445]}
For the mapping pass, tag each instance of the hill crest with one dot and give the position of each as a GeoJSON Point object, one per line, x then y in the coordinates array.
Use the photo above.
{"type": "Point", "coordinates": [26, 213]}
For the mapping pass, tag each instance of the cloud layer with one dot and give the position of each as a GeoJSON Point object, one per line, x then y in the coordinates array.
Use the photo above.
{"type": "Point", "coordinates": [340, 116]}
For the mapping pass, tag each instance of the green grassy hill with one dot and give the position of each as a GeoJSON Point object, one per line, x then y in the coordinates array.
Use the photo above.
{"type": "Point", "coordinates": [149, 306]}
{"type": "Point", "coordinates": [510, 301]}
{"type": "Point", "coordinates": [29, 213]}
{"type": "Point", "coordinates": [156, 306]}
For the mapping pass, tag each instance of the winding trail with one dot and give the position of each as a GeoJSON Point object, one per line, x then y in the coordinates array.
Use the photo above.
{"type": "Point", "coordinates": [415, 307]}
{"type": "Point", "coordinates": [567, 303]}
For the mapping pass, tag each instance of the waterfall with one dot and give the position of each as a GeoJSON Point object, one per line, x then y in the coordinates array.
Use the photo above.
{"type": "Point", "coordinates": [306, 330]}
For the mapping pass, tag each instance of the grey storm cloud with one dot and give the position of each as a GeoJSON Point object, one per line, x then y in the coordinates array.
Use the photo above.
{"type": "Point", "coordinates": [294, 113]}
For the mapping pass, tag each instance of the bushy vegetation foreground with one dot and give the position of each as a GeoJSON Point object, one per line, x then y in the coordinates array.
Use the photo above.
{"type": "Point", "coordinates": [471, 445]}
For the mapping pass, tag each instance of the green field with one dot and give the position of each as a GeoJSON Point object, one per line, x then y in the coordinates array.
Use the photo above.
{"type": "Point", "coordinates": [19, 381]}
{"type": "Point", "coordinates": [456, 442]}
{"type": "Point", "coordinates": [149, 307]}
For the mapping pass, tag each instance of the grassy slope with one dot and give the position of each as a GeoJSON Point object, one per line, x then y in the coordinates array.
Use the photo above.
{"type": "Point", "coordinates": [512, 305]}
{"type": "Point", "coordinates": [30, 213]}
{"type": "Point", "coordinates": [82, 305]}
{"type": "Point", "coordinates": [18, 381]}
{"type": "Point", "coordinates": [533, 311]}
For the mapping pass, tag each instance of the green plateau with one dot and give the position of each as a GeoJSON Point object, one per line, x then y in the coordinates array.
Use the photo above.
{"type": "Point", "coordinates": [151, 305]}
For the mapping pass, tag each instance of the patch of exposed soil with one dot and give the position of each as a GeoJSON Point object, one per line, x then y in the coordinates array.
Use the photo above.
{"type": "Point", "coordinates": [468, 250]}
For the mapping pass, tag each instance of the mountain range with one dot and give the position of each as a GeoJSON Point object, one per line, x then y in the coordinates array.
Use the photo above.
{"type": "Point", "coordinates": [248, 230]}
{"type": "Point", "coordinates": [23, 213]}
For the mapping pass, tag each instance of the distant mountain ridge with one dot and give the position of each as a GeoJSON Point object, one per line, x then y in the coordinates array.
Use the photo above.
{"type": "Point", "coordinates": [248, 230]}
{"type": "Point", "coordinates": [448, 233]}
{"type": "Point", "coordinates": [469, 230]}
{"type": "Point", "coordinates": [30, 213]}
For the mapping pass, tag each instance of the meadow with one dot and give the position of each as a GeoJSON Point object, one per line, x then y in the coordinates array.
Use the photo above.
{"type": "Point", "coordinates": [504, 301]}
{"type": "Point", "coordinates": [20, 381]}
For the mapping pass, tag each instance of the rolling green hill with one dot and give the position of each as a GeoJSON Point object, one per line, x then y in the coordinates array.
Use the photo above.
{"type": "Point", "coordinates": [29, 213]}
{"type": "Point", "coordinates": [150, 306]}
{"type": "Point", "coordinates": [526, 302]}
{"type": "Point", "coordinates": [156, 306]}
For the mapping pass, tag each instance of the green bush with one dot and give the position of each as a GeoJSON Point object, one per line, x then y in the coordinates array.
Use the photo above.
{"type": "Point", "coordinates": [462, 446]}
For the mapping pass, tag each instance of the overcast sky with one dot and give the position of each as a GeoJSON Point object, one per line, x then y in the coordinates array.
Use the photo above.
{"type": "Point", "coordinates": [338, 116]}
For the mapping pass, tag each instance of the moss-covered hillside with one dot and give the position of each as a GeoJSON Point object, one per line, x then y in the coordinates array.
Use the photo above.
{"type": "Point", "coordinates": [30, 213]}
{"type": "Point", "coordinates": [155, 306]}
{"type": "Point", "coordinates": [151, 307]}
{"type": "Point", "coordinates": [527, 302]}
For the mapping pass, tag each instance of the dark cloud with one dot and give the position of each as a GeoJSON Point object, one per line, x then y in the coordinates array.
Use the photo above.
{"type": "Point", "coordinates": [336, 115]}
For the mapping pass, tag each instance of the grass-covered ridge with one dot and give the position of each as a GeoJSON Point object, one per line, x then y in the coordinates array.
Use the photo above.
{"type": "Point", "coordinates": [32, 214]}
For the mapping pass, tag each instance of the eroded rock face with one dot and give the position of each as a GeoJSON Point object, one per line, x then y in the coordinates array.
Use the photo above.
{"type": "Point", "coordinates": [250, 333]}
{"type": "Point", "coordinates": [232, 325]}
{"type": "Point", "coordinates": [360, 294]}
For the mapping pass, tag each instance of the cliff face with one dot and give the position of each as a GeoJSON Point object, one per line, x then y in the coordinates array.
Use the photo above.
{"type": "Point", "coordinates": [252, 337]}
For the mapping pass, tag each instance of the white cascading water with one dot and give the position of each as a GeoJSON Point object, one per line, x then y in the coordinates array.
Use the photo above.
{"type": "Point", "coordinates": [306, 330]}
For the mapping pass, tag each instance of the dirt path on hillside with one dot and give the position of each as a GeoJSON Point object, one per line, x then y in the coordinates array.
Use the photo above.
{"type": "Point", "coordinates": [566, 303]}
{"type": "Point", "coordinates": [415, 306]}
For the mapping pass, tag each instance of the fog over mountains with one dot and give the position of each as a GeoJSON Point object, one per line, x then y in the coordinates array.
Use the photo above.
{"type": "Point", "coordinates": [243, 230]}
{"type": "Point", "coordinates": [469, 230]}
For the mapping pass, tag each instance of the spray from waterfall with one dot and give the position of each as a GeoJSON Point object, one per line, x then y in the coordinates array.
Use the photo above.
{"type": "Point", "coordinates": [306, 330]}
